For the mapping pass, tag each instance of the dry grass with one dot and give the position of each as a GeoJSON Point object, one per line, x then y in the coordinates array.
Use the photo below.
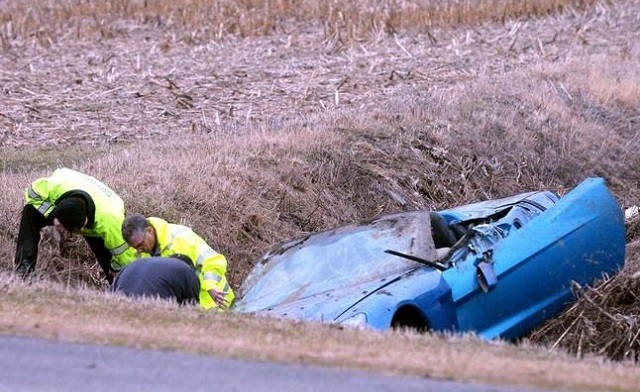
{"type": "Point", "coordinates": [199, 20]}
{"type": "Point", "coordinates": [276, 124]}
{"type": "Point", "coordinates": [605, 319]}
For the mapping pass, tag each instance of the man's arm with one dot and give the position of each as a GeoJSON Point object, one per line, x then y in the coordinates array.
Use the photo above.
{"type": "Point", "coordinates": [102, 254]}
{"type": "Point", "coordinates": [109, 229]}
{"type": "Point", "coordinates": [211, 266]}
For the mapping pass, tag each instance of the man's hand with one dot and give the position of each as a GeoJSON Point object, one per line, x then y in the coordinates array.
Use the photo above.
{"type": "Point", "coordinates": [218, 297]}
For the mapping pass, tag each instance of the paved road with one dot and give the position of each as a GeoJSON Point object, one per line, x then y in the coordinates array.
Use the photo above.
{"type": "Point", "coordinates": [38, 365]}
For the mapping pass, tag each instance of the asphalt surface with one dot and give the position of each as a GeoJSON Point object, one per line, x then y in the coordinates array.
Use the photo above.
{"type": "Point", "coordinates": [38, 365]}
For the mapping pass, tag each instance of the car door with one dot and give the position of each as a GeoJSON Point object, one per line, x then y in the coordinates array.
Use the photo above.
{"type": "Point", "coordinates": [577, 239]}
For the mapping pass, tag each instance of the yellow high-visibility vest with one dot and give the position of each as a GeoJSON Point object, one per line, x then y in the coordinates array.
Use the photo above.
{"type": "Point", "coordinates": [210, 265]}
{"type": "Point", "coordinates": [44, 192]}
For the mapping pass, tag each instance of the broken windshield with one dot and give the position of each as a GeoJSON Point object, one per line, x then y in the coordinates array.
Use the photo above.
{"type": "Point", "coordinates": [339, 258]}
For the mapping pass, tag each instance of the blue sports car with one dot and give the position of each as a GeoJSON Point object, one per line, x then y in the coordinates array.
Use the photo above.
{"type": "Point", "coordinates": [498, 268]}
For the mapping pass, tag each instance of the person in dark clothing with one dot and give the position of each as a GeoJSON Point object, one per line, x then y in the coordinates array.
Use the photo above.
{"type": "Point", "coordinates": [159, 277]}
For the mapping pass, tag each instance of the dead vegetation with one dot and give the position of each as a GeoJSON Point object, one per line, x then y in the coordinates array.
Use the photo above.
{"type": "Point", "coordinates": [255, 127]}
{"type": "Point", "coordinates": [605, 319]}
{"type": "Point", "coordinates": [194, 21]}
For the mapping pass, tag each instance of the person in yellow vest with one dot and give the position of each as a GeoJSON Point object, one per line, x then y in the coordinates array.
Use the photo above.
{"type": "Point", "coordinates": [158, 238]}
{"type": "Point", "coordinates": [77, 203]}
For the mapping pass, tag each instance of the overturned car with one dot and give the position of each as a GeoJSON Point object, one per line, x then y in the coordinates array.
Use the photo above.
{"type": "Point", "coordinates": [498, 268]}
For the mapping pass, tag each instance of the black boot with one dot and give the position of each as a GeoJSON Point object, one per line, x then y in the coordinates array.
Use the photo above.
{"type": "Point", "coordinates": [24, 268]}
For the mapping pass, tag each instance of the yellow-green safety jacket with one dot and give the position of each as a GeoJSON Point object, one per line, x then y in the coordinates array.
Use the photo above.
{"type": "Point", "coordinates": [210, 265]}
{"type": "Point", "coordinates": [44, 193]}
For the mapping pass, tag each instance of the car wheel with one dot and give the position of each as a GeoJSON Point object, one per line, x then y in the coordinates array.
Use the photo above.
{"type": "Point", "coordinates": [408, 317]}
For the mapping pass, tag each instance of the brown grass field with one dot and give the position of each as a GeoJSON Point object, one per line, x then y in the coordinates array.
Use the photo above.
{"type": "Point", "coordinates": [255, 122]}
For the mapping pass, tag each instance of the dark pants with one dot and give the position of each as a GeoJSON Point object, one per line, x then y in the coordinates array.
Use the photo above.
{"type": "Point", "coordinates": [31, 222]}
{"type": "Point", "coordinates": [159, 277]}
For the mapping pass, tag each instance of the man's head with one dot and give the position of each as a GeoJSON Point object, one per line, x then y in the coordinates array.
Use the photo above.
{"type": "Point", "coordinates": [185, 258]}
{"type": "Point", "coordinates": [70, 214]}
{"type": "Point", "coordinates": [138, 233]}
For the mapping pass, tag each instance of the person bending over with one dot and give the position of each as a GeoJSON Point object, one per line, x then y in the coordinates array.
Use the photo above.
{"type": "Point", "coordinates": [156, 237]}
{"type": "Point", "coordinates": [77, 203]}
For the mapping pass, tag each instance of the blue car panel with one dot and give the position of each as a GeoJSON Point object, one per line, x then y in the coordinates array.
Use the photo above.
{"type": "Point", "coordinates": [510, 269]}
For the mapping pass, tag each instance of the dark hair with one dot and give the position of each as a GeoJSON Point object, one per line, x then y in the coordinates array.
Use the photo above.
{"type": "Point", "coordinates": [133, 224]}
{"type": "Point", "coordinates": [185, 258]}
{"type": "Point", "coordinates": [71, 212]}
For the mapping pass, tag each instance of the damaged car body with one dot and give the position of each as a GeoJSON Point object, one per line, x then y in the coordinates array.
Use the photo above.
{"type": "Point", "coordinates": [497, 268]}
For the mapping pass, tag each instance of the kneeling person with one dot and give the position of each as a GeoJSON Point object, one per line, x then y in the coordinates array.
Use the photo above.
{"type": "Point", "coordinates": [159, 277]}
